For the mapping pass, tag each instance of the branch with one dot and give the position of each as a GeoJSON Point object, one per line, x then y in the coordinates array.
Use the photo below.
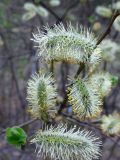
{"type": "Point", "coordinates": [107, 31]}
{"type": "Point", "coordinates": [69, 8]}
{"type": "Point", "coordinates": [81, 67]}
{"type": "Point", "coordinates": [22, 125]}
{"type": "Point", "coordinates": [88, 125]}
{"type": "Point", "coordinates": [115, 15]}
{"type": "Point", "coordinates": [71, 119]}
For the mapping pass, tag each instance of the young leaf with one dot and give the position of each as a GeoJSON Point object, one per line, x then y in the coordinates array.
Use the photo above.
{"type": "Point", "coordinates": [114, 80]}
{"type": "Point", "coordinates": [16, 136]}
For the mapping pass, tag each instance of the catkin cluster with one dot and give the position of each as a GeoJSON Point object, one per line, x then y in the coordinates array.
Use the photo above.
{"type": "Point", "coordinates": [85, 95]}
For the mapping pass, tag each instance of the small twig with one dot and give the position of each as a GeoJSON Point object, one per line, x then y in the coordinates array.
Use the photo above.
{"type": "Point", "coordinates": [21, 125]}
{"type": "Point", "coordinates": [48, 9]}
{"type": "Point", "coordinates": [115, 15]}
{"type": "Point", "coordinates": [81, 67]}
{"type": "Point", "coordinates": [64, 103]}
{"type": "Point", "coordinates": [52, 66]}
{"type": "Point", "coordinates": [69, 8]}
{"type": "Point", "coordinates": [87, 125]}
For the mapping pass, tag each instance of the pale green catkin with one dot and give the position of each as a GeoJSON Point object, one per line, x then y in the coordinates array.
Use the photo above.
{"type": "Point", "coordinates": [60, 143]}
{"type": "Point", "coordinates": [75, 45]}
{"type": "Point", "coordinates": [85, 98]}
{"type": "Point", "coordinates": [41, 94]}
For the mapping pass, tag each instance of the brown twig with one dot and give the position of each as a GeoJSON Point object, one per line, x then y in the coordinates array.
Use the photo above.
{"type": "Point", "coordinates": [90, 125]}
{"type": "Point", "coordinates": [52, 66]}
{"type": "Point", "coordinates": [22, 125]}
{"type": "Point", "coordinates": [107, 31]}
{"type": "Point", "coordinates": [81, 67]}
{"type": "Point", "coordinates": [69, 8]}
{"type": "Point", "coordinates": [48, 9]}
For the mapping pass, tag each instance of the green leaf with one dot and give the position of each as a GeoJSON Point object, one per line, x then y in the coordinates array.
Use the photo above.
{"type": "Point", "coordinates": [114, 80]}
{"type": "Point", "coordinates": [16, 136]}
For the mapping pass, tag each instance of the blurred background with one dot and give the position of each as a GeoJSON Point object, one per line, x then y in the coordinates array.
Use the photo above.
{"type": "Point", "coordinates": [18, 20]}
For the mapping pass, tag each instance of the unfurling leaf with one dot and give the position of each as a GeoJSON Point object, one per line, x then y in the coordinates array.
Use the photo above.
{"type": "Point", "coordinates": [114, 80]}
{"type": "Point", "coordinates": [16, 136]}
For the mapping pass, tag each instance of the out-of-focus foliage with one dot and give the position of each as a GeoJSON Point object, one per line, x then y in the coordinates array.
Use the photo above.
{"type": "Point", "coordinates": [109, 49]}
{"type": "Point", "coordinates": [54, 2]}
{"type": "Point", "coordinates": [116, 5]}
{"type": "Point", "coordinates": [117, 24]}
{"type": "Point", "coordinates": [4, 21]}
{"type": "Point", "coordinates": [111, 124]}
{"type": "Point", "coordinates": [104, 11]}
{"type": "Point", "coordinates": [108, 11]}
{"type": "Point", "coordinates": [103, 80]}
{"type": "Point", "coordinates": [32, 10]}
{"type": "Point", "coordinates": [97, 26]}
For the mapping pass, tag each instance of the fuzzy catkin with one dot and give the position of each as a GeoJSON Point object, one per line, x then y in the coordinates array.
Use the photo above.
{"type": "Point", "coordinates": [103, 81]}
{"type": "Point", "coordinates": [85, 98]}
{"type": "Point", "coordinates": [74, 45]}
{"type": "Point", "coordinates": [41, 94]}
{"type": "Point", "coordinates": [111, 124]}
{"type": "Point", "coordinates": [60, 143]}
